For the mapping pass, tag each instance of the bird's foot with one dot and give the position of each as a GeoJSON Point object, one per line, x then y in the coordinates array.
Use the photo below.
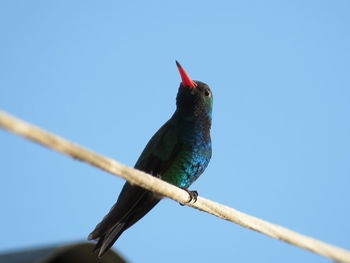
{"type": "Point", "coordinates": [192, 196]}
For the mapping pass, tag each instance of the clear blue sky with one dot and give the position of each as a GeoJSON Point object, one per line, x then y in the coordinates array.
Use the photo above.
{"type": "Point", "coordinates": [102, 74]}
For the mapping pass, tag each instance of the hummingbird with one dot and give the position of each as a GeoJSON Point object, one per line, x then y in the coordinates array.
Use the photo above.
{"type": "Point", "coordinates": [178, 153]}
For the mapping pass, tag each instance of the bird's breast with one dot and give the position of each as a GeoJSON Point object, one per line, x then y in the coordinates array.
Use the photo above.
{"type": "Point", "coordinates": [191, 161]}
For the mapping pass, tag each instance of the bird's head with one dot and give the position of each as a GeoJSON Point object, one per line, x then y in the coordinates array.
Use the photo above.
{"type": "Point", "coordinates": [194, 98]}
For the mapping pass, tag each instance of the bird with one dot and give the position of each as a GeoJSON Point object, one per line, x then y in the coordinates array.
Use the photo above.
{"type": "Point", "coordinates": [177, 153]}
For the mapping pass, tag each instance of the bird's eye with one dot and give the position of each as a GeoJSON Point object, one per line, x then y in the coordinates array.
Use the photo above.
{"type": "Point", "coordinates": [207, 93]}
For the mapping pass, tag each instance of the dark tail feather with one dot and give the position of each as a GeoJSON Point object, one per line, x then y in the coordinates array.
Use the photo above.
{"type": "Point", "coordinates": [110, 238]}
{"type": "Point", "coordinates": [133, 203]}
{"type": "Point", "coordinates": [99, 243]}
{"type": "Point", "coordinates": [107, 240]}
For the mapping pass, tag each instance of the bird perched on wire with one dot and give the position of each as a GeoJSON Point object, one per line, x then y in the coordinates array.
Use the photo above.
{"type": "Point", "coordinates": [177, 153]}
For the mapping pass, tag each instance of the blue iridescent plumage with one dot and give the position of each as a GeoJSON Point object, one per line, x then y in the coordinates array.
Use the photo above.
{"type": "Point", "coordinates": [177, 153]}
{"type": "Point", "coordinates": [195, 151]}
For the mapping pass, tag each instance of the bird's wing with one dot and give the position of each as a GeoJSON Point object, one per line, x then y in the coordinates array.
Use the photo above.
{"type": "Point", "coordinates": [155, 159]}
{"type": "Point", "coordinates": [134, 201]}
{"type": "Point", "coordinates": [160, 151]}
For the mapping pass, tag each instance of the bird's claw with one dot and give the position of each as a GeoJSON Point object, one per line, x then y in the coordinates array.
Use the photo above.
{"type": "Point", "coordinates": [192, 196]}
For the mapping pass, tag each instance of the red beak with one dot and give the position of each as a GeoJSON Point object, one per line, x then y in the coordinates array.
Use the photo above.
{"type": "Point", "coordinates": [186, 80]}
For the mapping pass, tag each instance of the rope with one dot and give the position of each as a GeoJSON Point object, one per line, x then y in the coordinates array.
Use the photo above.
{"type": "Point", "coordinates": [154, 184]}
